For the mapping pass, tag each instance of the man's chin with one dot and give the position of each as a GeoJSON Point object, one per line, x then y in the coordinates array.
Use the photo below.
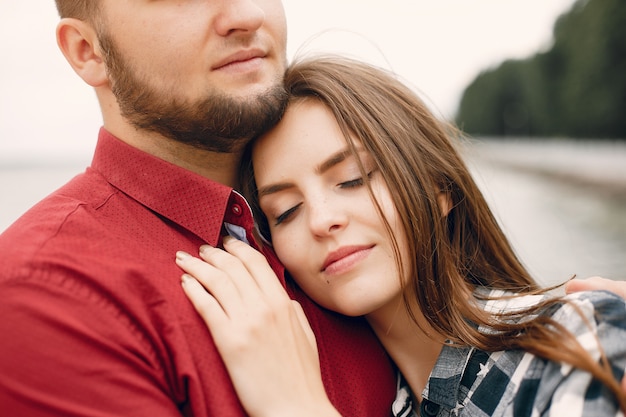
{"type": "Point", "coordinates": [247, 94]}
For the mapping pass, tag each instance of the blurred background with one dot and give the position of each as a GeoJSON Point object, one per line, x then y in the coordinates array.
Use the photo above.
{"type": "Point", "coordinates": [537, 86]}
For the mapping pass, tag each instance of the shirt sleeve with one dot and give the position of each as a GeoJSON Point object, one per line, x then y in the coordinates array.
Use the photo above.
{"type": "Point", "coordinates": [68, 351]}
{"type": "Point", "coordinates": [601, 326]}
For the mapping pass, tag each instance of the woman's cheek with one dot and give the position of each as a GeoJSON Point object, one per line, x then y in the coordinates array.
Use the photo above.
{"type": "Point", "coordinates": [283, 248]}
{"type": "Point", "coordinates": [296, 254]}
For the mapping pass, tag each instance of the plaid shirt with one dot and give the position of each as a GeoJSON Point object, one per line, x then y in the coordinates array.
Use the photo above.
{"type": "Point", "coordinates": [470, 382]}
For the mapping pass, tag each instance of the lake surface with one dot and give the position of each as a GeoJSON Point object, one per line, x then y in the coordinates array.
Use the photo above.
{"type": "Point", "coordinates": [562, 204]}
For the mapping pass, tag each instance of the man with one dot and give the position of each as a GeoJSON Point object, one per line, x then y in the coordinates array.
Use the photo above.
{"type": "Point", "coordinates": [93, 320]}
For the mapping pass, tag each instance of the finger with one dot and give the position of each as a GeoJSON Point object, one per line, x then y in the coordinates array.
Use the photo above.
{"type": "Point", "coordinates": [243, 278]}
{"type": "Point", "coordinates": [596, 283]}
{"type": "Point", "coordinates": [223, 273]}
{"type": "Point", "coordinates": [210, 310]}
{"type": "Point", "coordinates": [233, 270]}
{"type": "Point", "coordinates": [577, 284]}
{"type": "Point", "coordinates": [304, 323]}
{"type": "Point", "coordinates": [258, 267]}
{"type": "Point", "coordinates": [205, 304]}
{"type": "Point", "coordinates": [215, 281]}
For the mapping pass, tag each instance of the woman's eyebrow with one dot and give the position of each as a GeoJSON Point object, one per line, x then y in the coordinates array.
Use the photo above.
{"type": "Point", "coordinates": [333, 160]}
{"type": "Point", "coordinates": [273, 188]}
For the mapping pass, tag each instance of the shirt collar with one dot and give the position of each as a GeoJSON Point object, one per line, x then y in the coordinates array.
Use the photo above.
{"type": "Point", "coordinates": [444, 381]}
{"type": "Point", "coordinates": [186, 198]}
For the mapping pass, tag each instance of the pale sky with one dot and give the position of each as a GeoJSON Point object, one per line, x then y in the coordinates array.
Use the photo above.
{"type": "Point", "coordinates": [438, 46]}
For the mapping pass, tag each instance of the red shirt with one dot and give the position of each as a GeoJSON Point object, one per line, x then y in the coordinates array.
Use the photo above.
{"type": "Point", "coordinates": [93, 321]}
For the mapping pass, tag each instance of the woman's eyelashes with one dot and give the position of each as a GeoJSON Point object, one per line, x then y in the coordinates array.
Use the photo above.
{"type": "Point", "coordinates": [353, 183]}
{"type": "Point", "coordinates": [357, 182]}
{"type": "Point", "coordinates": [284, 216]}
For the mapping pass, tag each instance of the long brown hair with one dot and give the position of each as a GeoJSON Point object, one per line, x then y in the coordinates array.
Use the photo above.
{"type": "Point", "coordinates": [449, 256]}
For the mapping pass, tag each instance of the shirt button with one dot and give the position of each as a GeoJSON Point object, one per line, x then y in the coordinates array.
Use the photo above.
{"type": "Point", "coordinates": [429, 408]}
{"type": "Point", "coordinates": [236, 209]}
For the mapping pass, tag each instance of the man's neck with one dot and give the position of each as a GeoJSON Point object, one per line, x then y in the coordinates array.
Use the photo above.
{"type": "Point", "coordinates": [218, 167]}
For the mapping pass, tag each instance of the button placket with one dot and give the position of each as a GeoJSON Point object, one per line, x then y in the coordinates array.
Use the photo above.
{"type": "Point", "coordinates": [236, 209]}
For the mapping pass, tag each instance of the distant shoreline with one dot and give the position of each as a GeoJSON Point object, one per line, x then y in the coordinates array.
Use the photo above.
{"type": "Point", "coordinates": [35, 159]}
{"type": "Point", "coordinates": [26, 164]}
{"type": "Point", "coordinates": [597, 165]}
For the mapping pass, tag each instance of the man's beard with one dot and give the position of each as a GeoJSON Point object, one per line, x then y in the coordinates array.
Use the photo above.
{"type": "Point", "coordinates": [217, 122]}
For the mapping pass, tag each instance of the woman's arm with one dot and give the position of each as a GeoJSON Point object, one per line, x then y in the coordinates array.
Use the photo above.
{"type": "Point", "coordinates": [596, 319]}
{"type": "Point", "coordinates": [263, 336]}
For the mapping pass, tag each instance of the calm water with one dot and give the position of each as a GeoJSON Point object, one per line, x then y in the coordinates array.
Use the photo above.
{"type": "Point", "coordinates": [563, 205]}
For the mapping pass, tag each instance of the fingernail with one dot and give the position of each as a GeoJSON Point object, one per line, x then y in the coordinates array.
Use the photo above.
{"type": "Point", "coordinates": [180, 255]}
{"type": "Point", "coordinates": [205, 248]}
{"type": "Point", "coordinates": [185, 278]}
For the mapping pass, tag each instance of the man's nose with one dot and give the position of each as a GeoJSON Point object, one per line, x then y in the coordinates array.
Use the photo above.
{"type": "Point", "coordinates": [239, 16]}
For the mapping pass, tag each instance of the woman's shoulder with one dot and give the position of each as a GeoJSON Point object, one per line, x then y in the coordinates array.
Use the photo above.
{"type": "Point", "coordinates": [494, 300]}
{"type": "Point", "coordinates": [595, 309]}
{"type": "Point", "coordinates": [596, 319]}
{"type": "Point", "coordinates": [577, 312]}
{"type": "Point", "coordinates": [600, 298]}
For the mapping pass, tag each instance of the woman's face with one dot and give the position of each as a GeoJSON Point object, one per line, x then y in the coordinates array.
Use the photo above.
{"type": "Point", "coordinates": [325, 227]}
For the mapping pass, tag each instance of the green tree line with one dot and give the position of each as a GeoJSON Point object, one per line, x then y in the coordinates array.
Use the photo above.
{"type": "Point", "coordinates": [575, 89]}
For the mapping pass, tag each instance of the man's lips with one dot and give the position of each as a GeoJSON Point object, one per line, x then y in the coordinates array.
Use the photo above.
{"type": "Point", "coordinates": [344, 257]}
{"type": "Point", "coordinates": [239, 57]}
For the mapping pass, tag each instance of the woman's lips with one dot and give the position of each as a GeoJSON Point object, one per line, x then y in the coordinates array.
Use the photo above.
{"type": "Point", "coordinates": [344, 259]}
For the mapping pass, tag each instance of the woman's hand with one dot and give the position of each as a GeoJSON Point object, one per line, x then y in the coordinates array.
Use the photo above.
{"type": "Point", "coordinates": [596, 283]}
{"type": "Point", "coordinates": [263, 336]}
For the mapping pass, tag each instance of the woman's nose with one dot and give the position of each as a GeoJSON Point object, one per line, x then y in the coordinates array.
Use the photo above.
{"type": "Point", "coordinates": [327, 217]}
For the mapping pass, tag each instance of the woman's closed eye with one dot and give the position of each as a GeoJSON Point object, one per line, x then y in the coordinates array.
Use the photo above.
{"type": "Point", "coordinates": [286, 215]}
{"type": "Point", "coordinates": [357, 182]}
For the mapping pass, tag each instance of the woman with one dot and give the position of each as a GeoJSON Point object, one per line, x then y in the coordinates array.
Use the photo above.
{"type": "Point", "coordinates": [364, 198]}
